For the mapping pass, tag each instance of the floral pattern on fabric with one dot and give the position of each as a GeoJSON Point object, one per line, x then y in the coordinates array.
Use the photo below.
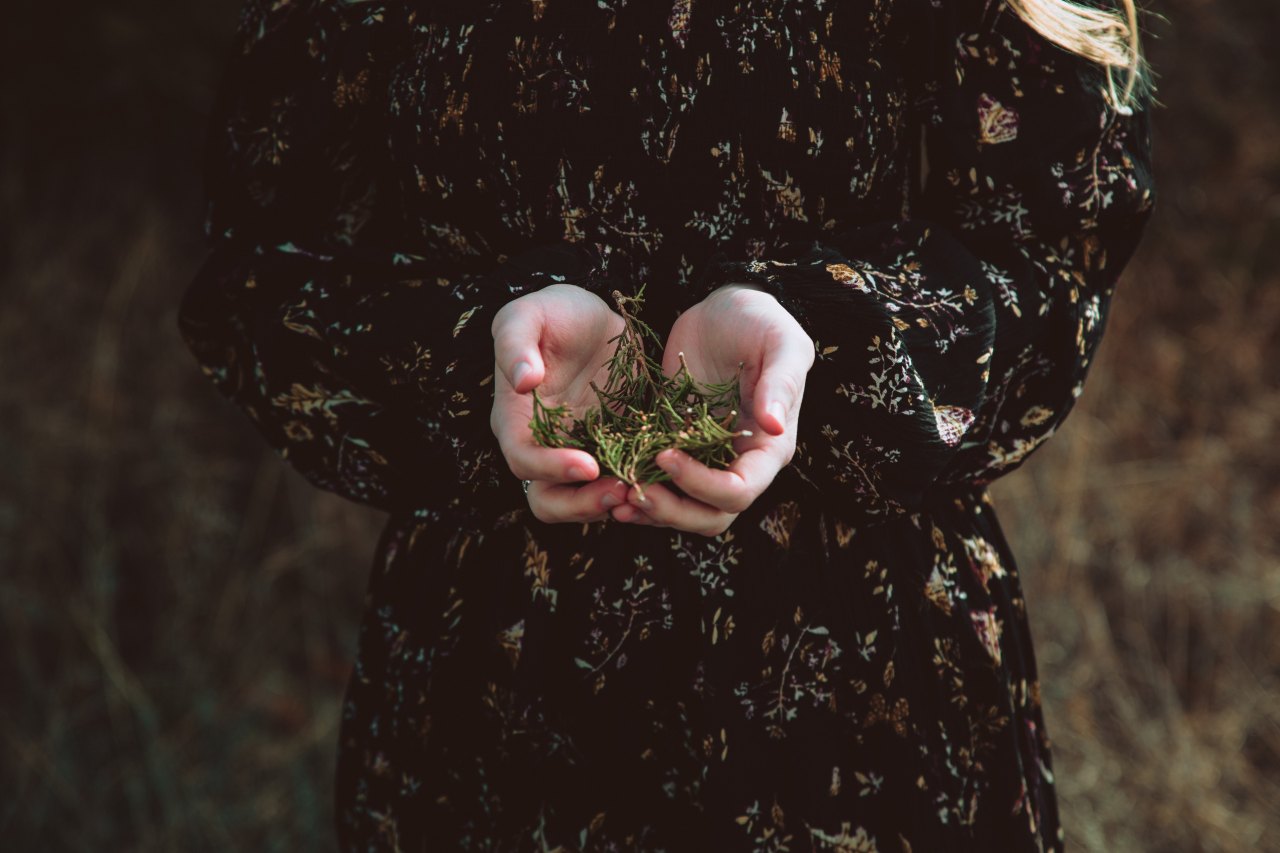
{"type": "Point", "coordinates": [941, 198]}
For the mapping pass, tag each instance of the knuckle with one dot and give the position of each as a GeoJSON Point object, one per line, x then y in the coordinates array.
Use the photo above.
{"type": "Point", "coordinates": [738, 500]}
{"type": "Point", "coordinates": [541, 511]}
{"type": "Point", "coordinates": [790, 384]}
{"type": "Point", "coordinates": [501, 317]}
{"type": "Point", "coordinates": [713, 530]}
{"type": "Point", "coordinates": [511, 314]}
{"type": "Point", "coordinates": [789, 453]}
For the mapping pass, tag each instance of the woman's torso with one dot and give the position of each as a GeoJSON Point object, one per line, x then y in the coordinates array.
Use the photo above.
{"type": "Point", "coordinates": [861, 672]}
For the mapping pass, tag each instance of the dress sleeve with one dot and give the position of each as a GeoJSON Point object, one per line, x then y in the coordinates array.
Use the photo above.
{"type": "Point", "coordinates": [365, 360]}
{"type": "Point", "coordinates": [952, 343]}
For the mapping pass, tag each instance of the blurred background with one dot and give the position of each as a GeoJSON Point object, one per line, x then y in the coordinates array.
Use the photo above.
{"type": "Point", "coordinates": [178, 608]}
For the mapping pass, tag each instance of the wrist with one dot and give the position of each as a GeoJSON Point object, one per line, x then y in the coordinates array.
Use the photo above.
{"type": "Point", "coordinates": [744, 290]}
{"type": "Point", "coordinates": [740, 285]}
{"type": "Point", "coordinates": [747, 296]}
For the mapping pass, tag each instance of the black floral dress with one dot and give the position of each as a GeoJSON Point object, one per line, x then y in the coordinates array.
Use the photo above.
{"type": "Point", "coordinates": [943, 199]}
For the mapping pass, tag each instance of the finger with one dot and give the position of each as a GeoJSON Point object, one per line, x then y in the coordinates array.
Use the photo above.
{"type": "Point", "coordinates": [780, 388]}
{"type": "Point", "coordinates": [517, 331]}
{"type": "Point", "coordinates": [555, 503]}
{"type": "Point", "coordinates": [529, 460]}
{"type": "Point", "coordinates": [731, 489]}
{"type": "Point", "coordinates": [666, 507]}
{"type": "Point", "coordinates": [631, 515]}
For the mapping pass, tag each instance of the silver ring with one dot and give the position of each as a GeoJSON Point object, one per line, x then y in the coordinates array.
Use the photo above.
{"type": "Point", "coordinates": [526, 484]}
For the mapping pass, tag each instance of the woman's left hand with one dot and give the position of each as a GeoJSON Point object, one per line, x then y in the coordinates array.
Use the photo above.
{"type": "Point", "coordinates": [736, 323]}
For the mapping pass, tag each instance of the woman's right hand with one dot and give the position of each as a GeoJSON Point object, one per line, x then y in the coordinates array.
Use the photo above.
{"type": "Point", "coordinates": [557, 339]}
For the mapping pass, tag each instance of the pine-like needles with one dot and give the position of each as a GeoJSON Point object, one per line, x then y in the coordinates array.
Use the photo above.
{"type": "Point", "coordinates": [641, 411]}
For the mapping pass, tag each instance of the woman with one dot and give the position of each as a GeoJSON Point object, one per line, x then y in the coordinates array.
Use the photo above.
{"type": "Point", "coordinates": [906, 218]}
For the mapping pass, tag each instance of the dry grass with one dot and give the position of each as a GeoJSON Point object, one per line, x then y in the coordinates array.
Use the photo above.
{"type": "Point", "coordinates": [178, 608]}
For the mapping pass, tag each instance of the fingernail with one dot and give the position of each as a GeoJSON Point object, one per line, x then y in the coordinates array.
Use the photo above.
{"type": "Point", "coordinates": [775, 409]}
{"type": "Point", "coordinates": [609, 501]}
{"type": "Point", "coordinates": [669, 461]}
{"type": "Point", "coordinates": [522, 368]}
{"type": "Point", "coordinates": [577, 472]}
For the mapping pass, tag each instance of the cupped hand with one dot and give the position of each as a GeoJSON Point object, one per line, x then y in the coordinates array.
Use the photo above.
{"type": "Point", "coordinates": [736, 323]}
{"type": "Point", "coordinates": [557, 339]}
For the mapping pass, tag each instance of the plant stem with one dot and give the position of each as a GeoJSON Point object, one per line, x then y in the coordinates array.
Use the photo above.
{"type": "Point", "coordinates": [642, 411]}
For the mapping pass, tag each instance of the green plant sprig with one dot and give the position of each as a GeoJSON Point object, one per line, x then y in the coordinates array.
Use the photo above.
{"type": "Point", "coordinates": [642, 411]}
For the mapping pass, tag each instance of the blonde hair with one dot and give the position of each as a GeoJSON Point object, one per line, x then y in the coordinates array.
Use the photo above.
{"type": "Point", "coordinates": [1107, 37]}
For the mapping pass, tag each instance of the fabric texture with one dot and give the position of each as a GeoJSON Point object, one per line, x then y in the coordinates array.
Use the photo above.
{"type": "Point", "coordinates": [944, 201]}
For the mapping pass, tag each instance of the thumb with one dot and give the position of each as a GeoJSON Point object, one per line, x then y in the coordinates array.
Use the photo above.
{"type": "Point", "coordinates": [780, 388]}
{"type": "Point", "coordinates": [516, 350]}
